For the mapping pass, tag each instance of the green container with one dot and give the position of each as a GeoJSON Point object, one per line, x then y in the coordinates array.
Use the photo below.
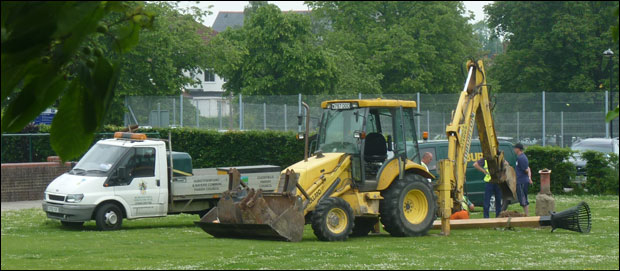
{"type": "Point", "coordinates": [182, 161]}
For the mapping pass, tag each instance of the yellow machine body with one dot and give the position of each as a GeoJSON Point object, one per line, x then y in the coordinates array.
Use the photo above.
{"type": "Point", "coordinates": [329, 177]}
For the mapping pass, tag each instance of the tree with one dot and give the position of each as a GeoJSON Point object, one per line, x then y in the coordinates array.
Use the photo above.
{"type": "Point", "coordinates": [175, 44]}
{"type": "Point", "coordinates": [412, 46]}
{"type": "Point", "coordinates": [252, 7]}
{"type": "Point", "coordinates": [45, 57]}
{"type": "Point", "coordinates": [274, 53]}
{"type": "Point", "coordinates": [552, 46]}
{"type": "Point", "coordinates": [491, 44]}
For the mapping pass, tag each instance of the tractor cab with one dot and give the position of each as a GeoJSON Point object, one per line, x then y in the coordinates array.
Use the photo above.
{"type": "Point", "coordinates": [374, 132]}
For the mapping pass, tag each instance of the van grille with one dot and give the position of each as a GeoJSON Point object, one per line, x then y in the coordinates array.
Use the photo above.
{"type": "Point", "coordinates": [56, 197]}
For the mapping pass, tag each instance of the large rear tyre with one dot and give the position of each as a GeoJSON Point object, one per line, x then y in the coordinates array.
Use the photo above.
{"type": "Point", "coordinates": [109, 217]}
{"type": "Point", "coordinates": [332, 220]}
{"type": "Point", "coordinates": [408, 207]}
{"type": "Point", "coordinates": [363, 226]}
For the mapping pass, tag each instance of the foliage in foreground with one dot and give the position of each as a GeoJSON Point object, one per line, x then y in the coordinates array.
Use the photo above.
{"type": "Point", "coordinates": [46, 55]}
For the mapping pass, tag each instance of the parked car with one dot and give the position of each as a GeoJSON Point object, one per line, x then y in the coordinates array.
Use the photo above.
{"type": "Point", "coordinates": [474, 185]}
{"type": "Point", "coordinates": [605, 145]}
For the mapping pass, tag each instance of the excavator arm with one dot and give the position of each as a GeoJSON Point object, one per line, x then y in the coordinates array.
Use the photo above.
{"type": "Point", "coordinates": [473, 108]}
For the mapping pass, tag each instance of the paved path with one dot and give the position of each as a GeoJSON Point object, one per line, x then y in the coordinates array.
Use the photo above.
{"type": "Point", "coordinates": [19, 205]}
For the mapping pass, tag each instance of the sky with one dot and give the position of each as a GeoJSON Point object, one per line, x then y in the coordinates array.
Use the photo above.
{"type": "Point", "coordinates": [474, 6]}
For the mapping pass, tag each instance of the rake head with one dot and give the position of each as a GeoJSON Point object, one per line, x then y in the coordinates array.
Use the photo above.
{"type": "Point", "coordinates": [577, 219]}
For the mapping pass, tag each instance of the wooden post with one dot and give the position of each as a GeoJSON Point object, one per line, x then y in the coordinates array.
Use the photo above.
{"type": "Point", "coordinates": [530, 222]}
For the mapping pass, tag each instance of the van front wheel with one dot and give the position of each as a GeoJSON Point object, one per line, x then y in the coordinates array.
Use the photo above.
{"type": "Point", "coordinates": [109, 217]}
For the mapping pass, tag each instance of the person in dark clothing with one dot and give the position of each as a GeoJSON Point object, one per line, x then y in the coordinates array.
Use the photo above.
{"type": "Point", "coordinates": [489, 189]}
{"type": "Point", "coordinates": [524, 178]}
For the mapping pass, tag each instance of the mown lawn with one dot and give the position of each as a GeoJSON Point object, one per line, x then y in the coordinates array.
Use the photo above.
{"type": "Point", "coordinates": [31, 241]}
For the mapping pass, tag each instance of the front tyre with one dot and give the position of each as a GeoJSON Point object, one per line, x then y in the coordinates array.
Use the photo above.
{"type": "Point", "coordinates": [109, 217]}
{"type": "Point", "coordinates": [332, 220]}
{"type": "Point", "coordinates": [408, 207]}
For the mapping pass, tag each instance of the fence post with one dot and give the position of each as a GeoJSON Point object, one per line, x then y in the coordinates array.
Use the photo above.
{"type": "Point", "coordinates": [544, 136]}
{"type": "Point", "coordinates": [29, 148]}
{"type": "Point", "coordinates": [158, 114]}
{"type": "Point", "coordinates": [264, 116]}
{"type": "Point", "coordinates": [518, 127]}
{"type": "Point", "coordinates": [418, 117]}
{"type": "Point", "coordinates": [197, 116]}
{"type": "Point", "coordinates": [562, 128]}
{"type": "Point", "coordinates": [219, 112]}
{"type": "Point", "coordinates": [606, 110]}
{"type": "Point", "coordinates": [428, 121]}
{"type": "Point", "coordinates": [181, 110]}
{"type": "Point", "coordinates": [285, 124]}
{"type": "Point", "coordinates": [359, 95]}
{"type": "Point", "coordinates": [126, 116]}
{"type": "Point", "coordinates": [443, 121]}
{"type": "Point", "coordinates": [299, 113]}
{"type": "Point", "coordinates": [174, 112]}
{"type": "Point", "coordinates": [240, 111]}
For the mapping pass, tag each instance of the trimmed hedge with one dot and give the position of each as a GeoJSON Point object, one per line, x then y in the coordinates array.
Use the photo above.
{"type": "Point", "coordinates": [555, 159]}
{"type": "Point", "coordinates": [208, 148]}
{"type": "Point", "coordinates": [602, 172]}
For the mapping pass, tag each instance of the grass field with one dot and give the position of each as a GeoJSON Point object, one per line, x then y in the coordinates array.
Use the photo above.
{"type": "Point", "coordinates": [31, 241]}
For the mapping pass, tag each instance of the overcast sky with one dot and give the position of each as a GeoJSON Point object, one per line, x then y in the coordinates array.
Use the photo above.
{"type": "Point", "coordinates": [474, 6]}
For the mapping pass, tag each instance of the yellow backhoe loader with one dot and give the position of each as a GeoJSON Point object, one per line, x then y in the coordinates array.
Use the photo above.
{"type": "Point", "coordinates": [366, 169]}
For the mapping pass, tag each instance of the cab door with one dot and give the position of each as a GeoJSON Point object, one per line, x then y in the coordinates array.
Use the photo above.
{"type": "Point", "coordinates": [138, 183]}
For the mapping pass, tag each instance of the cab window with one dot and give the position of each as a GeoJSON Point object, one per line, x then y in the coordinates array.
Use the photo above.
{"type": "Point", "coordinates": [433, 164]}
{"type": "Point", "coordinates": [144, 165]}
{"type": "Point", "coordinates": [137, 163]}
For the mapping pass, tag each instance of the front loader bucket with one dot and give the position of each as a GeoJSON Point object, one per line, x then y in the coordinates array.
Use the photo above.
{"type": "Point", "coordinates": [259, 215]}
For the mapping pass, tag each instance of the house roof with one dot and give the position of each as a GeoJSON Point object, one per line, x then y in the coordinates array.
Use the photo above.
{"type": "Point", "coordinates": [226, 19]}
{"type": "Point", "coordinates": [234, 19]}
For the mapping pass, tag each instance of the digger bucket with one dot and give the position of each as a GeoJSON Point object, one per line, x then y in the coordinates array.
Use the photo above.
{"type": "Point", "coordinates": [254, 214]}
{"type": "Point", "coordinates": [507, 182]}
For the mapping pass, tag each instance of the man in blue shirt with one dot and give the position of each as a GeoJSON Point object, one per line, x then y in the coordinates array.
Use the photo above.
{"type": "Point", "coordinates": [524, 180]}
{"type": "Point", "coordinates": [489, 190]}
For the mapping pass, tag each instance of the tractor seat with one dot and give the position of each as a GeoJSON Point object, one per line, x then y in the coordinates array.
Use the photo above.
{"type": "Point", "coordinates": [375, 148]}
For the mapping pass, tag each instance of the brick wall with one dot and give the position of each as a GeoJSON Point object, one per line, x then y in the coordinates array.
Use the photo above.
{"type": "Point", "coordinates": [27, 181]}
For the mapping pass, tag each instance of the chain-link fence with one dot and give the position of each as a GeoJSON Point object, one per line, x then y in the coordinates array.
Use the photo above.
{"type": "Point", "coordinates": [532, 118]}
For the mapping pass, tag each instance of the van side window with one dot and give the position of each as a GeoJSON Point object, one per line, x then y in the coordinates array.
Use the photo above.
{"type": "Point", "coordinates": [137, 163]}
{"type": "Point", "coordinates": [433, 164]}
{"type": "Point", "coordinates": [144, 165]}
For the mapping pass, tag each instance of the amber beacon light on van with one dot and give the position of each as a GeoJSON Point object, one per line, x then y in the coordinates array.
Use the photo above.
{"type": "Point", "coordinates": [135, 136]}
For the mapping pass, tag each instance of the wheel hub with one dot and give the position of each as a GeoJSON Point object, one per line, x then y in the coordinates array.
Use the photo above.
{"type": "Point", "coordinates": [415, 206]}
{"type": "Point", "coordinates": [336, 220]}
{"type": "Point", "coordinates": [333, 220]}
{"type": "Point", "coordinates": [111, 218]}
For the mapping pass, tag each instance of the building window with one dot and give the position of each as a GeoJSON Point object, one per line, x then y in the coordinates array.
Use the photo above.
{"type": "Point", "coordinates": [209, 75]}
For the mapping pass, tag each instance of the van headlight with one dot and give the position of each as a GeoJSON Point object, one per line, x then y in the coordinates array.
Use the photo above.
{"type": "Point", "coordinates": [74, 198]}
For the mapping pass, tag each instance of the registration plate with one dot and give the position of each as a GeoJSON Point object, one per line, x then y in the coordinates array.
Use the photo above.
{"type": "Point", "coordinates": [341, 106]}
{"type": "Point", "coordinates": [53, 209]}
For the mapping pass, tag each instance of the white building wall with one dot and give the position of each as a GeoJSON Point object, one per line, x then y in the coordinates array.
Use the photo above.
{"type": "Point", "coordinates": [206, 86]}
{"type": "Point", "coordinates": [209, 106]}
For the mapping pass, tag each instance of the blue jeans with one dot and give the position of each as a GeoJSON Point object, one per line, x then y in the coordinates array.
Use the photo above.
{"type": "Point", "coordinates": [522, 193]}
{"type": "Point", "coordinates": [492, 189]}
